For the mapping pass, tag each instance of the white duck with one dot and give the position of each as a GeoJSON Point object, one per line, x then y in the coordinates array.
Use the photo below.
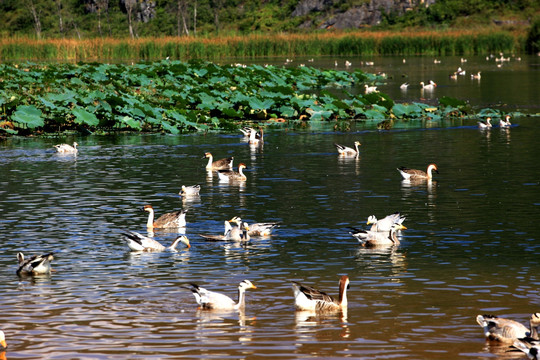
{"type": "Point", "coordinates": [370, 89]}
{"type": "Point", "coordinates": [310, 299]}
{"type": "Point", "coordinates": [506, 330]}
{"type": "Point", "coordinates": [212, 300]}
{"type": "Point", "coordinates": [35, 265]}
{"type": "Point", "coordinates": [429, 87]}
{"type": "Point", "coordinates": [66, 148]}
{"type": "Point", "coordinates": [230, 175]}
{"type": "Point", "coordinates": [256, 137]}
{"type": "Point", "coordinates": [348, 151]}
{"type": "Point", "coordinates": [138, 242]}
{"type": "Point", "coordinates": [413, 174]}
{"type": "Point", "coordinates": [404, 86]}
{"type": "Point", "coordinates": [168, 220]}
{"type": "Point", "coordinates": [386, 223]}
{"type": "Point", "coordinates": [505, 123]}
{"type": "Point", "coordinates": [483, 125]}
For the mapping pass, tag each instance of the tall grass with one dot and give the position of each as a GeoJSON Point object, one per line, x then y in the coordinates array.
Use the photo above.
{"type": "Point", "coordinates": [332, 43]}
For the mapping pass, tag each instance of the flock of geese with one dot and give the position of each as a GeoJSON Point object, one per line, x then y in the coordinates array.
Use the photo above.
{"type": "Point", "coordinates": [383, 232]}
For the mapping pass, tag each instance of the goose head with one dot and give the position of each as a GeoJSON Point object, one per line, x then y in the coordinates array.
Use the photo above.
{"type": "Point", "coordinates": [246, 284]}
{"type": "Point", "coordinates": [371, 220]}
{"type": "Point", "coordinates": [432, 167]}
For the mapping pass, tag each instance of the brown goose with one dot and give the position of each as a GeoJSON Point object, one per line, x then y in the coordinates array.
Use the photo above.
{"type": "Point", "coordinates": [506, 330]}
{"type": "Point", "coordinates": [35, 265]}
{"type": "Point", "coordinates": [230, 175]}
{"type": "Point", "coordinates": [222, 164]}
{"type": "Point", "coordinates": [413, 174]}
{"type": "Point", "coordinates": [169, 220]}
{"type": "Point", "coordinates": [310, 299]}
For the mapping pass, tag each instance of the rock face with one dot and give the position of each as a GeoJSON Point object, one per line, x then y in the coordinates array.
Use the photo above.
{"type": "Point", "coordinates": [355, 17]}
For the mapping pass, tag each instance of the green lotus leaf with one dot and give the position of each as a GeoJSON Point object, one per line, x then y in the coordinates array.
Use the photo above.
{"type": "Point", "coordinates": [259, 104]}
{"type": "Point", "coordinates": [84, 117]}
{"type": "Point", "coordinates": [29, 116]}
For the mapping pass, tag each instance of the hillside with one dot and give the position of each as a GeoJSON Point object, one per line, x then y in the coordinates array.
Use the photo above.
{"type": "Point", "coordinates": [140, 18]}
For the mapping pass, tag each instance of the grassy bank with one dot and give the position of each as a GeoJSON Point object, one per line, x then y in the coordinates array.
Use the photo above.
{"type": "Point", "coordinates": [314, 44]}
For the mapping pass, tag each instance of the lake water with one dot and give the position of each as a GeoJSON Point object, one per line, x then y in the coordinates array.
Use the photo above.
{"type": "Point", "coordinates": [470, 248]}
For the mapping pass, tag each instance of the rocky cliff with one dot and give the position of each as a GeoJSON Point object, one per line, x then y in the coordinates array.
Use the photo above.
{"type": "Point", "coordinates": [328, 14]}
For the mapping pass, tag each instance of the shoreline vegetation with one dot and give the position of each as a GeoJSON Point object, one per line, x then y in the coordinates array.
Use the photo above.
{"type": "Point", "coordinates": [410, 42]}
{"type": "Point", "coordinates": [173, 96]}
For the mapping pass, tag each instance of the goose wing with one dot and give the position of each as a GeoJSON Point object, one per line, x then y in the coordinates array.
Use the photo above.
{"type": "Point", "coordinates": [138, 242]}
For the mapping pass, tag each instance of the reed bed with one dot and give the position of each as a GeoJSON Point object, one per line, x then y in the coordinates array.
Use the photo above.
{"type": "Point", "coordinates": [314, 44]}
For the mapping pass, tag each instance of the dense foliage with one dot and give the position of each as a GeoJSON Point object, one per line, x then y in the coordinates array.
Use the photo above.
{"type": "Point", "coordinates": [174, 96]}
{"type": "Point", "coordinates": [95, 18]}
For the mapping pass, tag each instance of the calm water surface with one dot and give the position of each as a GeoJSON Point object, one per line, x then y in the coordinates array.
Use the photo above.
{"type": "Point", "coordinates": [471, 246]}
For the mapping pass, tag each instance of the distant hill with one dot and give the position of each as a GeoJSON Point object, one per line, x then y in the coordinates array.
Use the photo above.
{"type": "Point", "coordinates": [138, 18]}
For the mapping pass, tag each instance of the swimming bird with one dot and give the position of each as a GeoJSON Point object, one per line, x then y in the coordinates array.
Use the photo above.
{"type": "Point", "coordinates": [506, 330]}
{"type": "Point", "coordinates": [369, 238]}
{"type": "Point", "coordinates": [311, 299]}
{"type": "Point", "coordinates": [190, 190]}
{"type": "Point", "coordinates": [370, 89]}
{"type": "Point", "coordinates": [232, 233]}
{"type": "Point", "coordinates": [230, 175]}
{"type": "Point", "coordinates": [257, 229]}
{"type": "Point", "coordinates": [460, 71]}
{"type": "Point", "coordinates": [221, 164]}
{"type": "Point", "coordinates": [413, 174]}
{"type": "Point", "coordinates": [485, 124]}
{"type": "Point", "coordinates": [348, 151]}
{"type": "Point", "coordinates": [430, 86]}
{"type": "Point", "coordinates": [66, 148]}
{"type": "Point", "coordinates": [385, 224]}
{"type": "Point", "coordinates": [35, 265]}
{"type": "Point", "coordinates": [256, 137]}
{"type": "Point", "coordinates": [3, 344]}
{"type": "Point", "coordinates": [404, 86]}
{"type": "Point", "coordinates": [168, 220]}
{"type": "Point", "coordinates": [212, 300]}
{"type": "Point", "coordinates": [532, 349]}
{"type": "Point", "coordinates": [453, 76]}
{"type": "Point", "coordinates": [476, 76]}
{"type": "Point", "coordinates": [247, 130]}
{"type": "Point", "coordinates": [505, 123]}
{"type": "Point", "coordinates": [138, 242]}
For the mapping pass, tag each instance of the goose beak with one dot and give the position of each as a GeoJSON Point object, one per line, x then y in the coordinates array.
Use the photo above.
{"type": "Point", "coordinates": [402, 227]}
{"type": "Point", "coordinates": [253, 286]}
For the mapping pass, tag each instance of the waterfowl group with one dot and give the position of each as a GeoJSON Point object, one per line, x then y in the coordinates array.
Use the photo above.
{"type": "Point", "coordinates": [211, 300]}
{"type": "Point", "coordinates": [138, 242]}
{"type": "Point", "coordinates": [311, 299]}
{"type": "Point", "coordinates": [413, 174]}
{"type": "Point", "coordinates": [385, 224]}
{"type": "Point", "coordinates": [348, 151]}
{"type": "Point", "coordinates": [431, 86]}
{"type": "Point", "coordinates": [256, 229]}
{"type": "Point", "coordinates": [174, 219]}
{"type": "Point", "coordinates": [238, 232]}
{"type": "Point", "coordinates": [66, 148]}
{"type": "Point", "coordinates": [34, 265]}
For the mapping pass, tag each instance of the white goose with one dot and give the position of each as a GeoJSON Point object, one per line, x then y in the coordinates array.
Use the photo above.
{"type": "Point", "coordinates": [310, 299]}
{"type": "Point", "coordinates": [370, 89]}
{"type": "Point", "coordinates": [256, 137]}
{"type": "Point", "coordinates": [476, 76]}
{"type": "Point", "coordinates": [385, 224]}
{"type": "Point", "coordinates": [192, 190]}
{"type": "Point", "coordinates": [212, 300]}
{"type": "Point", "coordinates": [221, 164]}
{"type": "Point", "coordinates": [404, 86]}
{"type": "Point", "coordinates": [348, 151]}
{"type": "Point", "coordinates": [35, 265]}
{"type": "Point", "coordinates": [66, 148]}
{"type": "Point", "coordinates": [169, 220]}
{"type": "Point", "coordinates": [230, 175]}
{"type": "Point", "coordinates": [138, 242]}
{"type": "Point", "coordinates": [232, 233]}
{"type": "Point", "coordinates": [413, 174]}
{"type": "Point", "coordinates": [369, 238]}
{"type": "Point", "coordinates": [257, 229]}
{"type": "Point", "coordinates": [429, 87]}
{"type": "Point", "coordinates": [506, 330]}
{"type": "Point", "coordinates": [505, 123]}
{"type": "Point", "coordinates": [483, 125]}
